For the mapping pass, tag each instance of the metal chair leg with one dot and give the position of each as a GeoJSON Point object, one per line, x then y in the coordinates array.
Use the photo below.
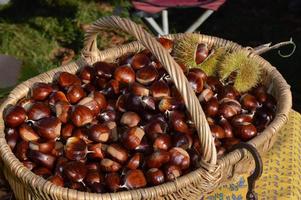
{"type": "Point", "coordinates": [165, 22]}
{"type": "Point", "coordinates": [154, 25]}
{"type": "Point", "coordinates": [199, 21]}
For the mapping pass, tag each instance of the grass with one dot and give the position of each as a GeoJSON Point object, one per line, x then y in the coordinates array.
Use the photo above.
{"type": "Point", "coordinates": [33, 32]}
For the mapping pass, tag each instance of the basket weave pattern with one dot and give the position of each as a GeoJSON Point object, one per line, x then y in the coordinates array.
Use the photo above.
{"type": "Point", "coordinates": [213, 172]}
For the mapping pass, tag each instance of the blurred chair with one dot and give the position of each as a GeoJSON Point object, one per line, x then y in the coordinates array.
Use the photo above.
{"type": "Point", "coordinates": [149, 9]}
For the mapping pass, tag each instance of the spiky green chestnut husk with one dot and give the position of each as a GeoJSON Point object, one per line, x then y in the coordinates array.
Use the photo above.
{"type": "Point", "coordinates": [247, 70]}
{"type": "Point", "coordinates": [211, 64]}
{"type": "Point", "coordinates": [184, 50]}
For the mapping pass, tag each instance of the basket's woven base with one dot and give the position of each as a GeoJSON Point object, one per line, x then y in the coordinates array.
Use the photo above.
{"type": "Point", "coordinates": [281, 177]}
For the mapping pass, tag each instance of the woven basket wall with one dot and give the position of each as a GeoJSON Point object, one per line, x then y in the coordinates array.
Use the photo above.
{"type": "Point", "coordinates": [213, 172]}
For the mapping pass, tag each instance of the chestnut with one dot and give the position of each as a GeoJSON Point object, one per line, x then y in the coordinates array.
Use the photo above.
{"type": "Point", "coordinates": [245, 131]}
{"type": "Point", "coordinates": [42, 159]}
{"type": "Point", "coordinates": [27, 133]}
{"type": "Point", "coordinates": [134, 161]}
{"type": "Point", "coordinates": [120, 103]}
{"type": "Point", "coordinates": [262, 118]}
{"type": "Point", "coordinates": [86, 74]}
{"type": "Point", "coordinates": [201, 53]}
{"type": "Point", "coordinates": [38, 111]}
{"type": "Point", "coordinates": [75, 149]}
{"type": "Point", "coordinates": [163, 141]}
{"type": "Point", "coordinates": [75, 171]}
{"type": "Point", "coordinates": [182, 140]}
{"type": "Point", "coordinates": [99, 133]}
{"type": "Point", "coordinates": [12, 137]}
{"type": "Point", "coordinates": [179, 157]}
{"type": "Point", "coordinates": [113, 181]}
{"type": "Point", "coordinates": [214, 84]}
{"type": "Point", "coordinates": [48, 128]}
{"type": "Point", "coordinates": [172, 172]}
{"type": "Point", "coordinates": [241, 119]}
{"type": "Point", "coordinates": [155, 176]}
{"type": "Point", "coordinates": [42, 171]}
{"type": "Point", "coordinates": [93, 176]}
{"type": "Point", "coordinates": [132, 137]}
{"type": "Point", "coordinates": [82, 133]}
{"type": "Point", "coordinates": [66, 79]}
{"type": "Point", "coordinates": [138, 89]}
{"type": "Point", "coordinates": [205, 95]}
{"type": "Point", "coordinates": [21, 150]}
{"type": "Point", "coordinates": [108, 165]}
{"type": "Point", "coordinates": [200, 73]}
{"type": "Point", "coordinates": [139, 61]}
{"type": "Point", "coordinates": [224, 123]}
{"type": "Point", "coordinates": [125, 74]}
{"type": "Point", "coordinates": [58, 149]}
{"type": "Point", "coordinates": [160, 89]}
{"type": "Point", "coordinates": [229, 107]}
{"type": "Point", "coordinates": [96, 151]}
{"type": "Point", "coordinates": [40, 91]}
{"type": "Point", "coordinates": [26, 103]}
{"type": "Point", "coordinates": [29, 164]}
{"type": "Point", "coordinates": [81, 116]}
{"type": "Point", "coordinates": [271, 103]}
{"type": "Point", "coordinates": [148, 103]}
{"type": "Point", "coordinates": [57, 180]}
{"type": "Point", "coordinates": [75, 93]}
{"type": "Point", "coordinates": [211, 107]}
{"type": "Point", "coordinates": [112, 88]}
{"type": "Point", "coordinates": [100, 99]}
{"type": "Point", "coordinates": [43, 147]}
{"type": "Point", "coordinates": [146, 75]}
{"type": "Point", "coordinates": [62, 111]}
{"type": "Point", "coordinates": [249, 102]}
{"type": "Point", "coordinates": [14, 116]}
{"type": "Point", "coordinates": [134, 178]}
{"type": "Point", "coordinates": [196, 82]}
{"type": "Point", "coordinates": [260, 93]}
{"type": "Point", "coordinates": [57, 96]}
{"type": "Point", "coordinates": [131, 119]}
{"type": "Point", "coordinates": [144, 147]}
{"type": "Point", "coordinates": [104, 70]}
{"type": "Point", "coordinates": [117, 152]}
{"type": "Point", "coordinates": [166, 43]}
{"type": "Point", "coordinates": [169, 103]}
{"type": "Point", "coordinates": [107, 115]}
{"type": "Point", "coordinates": [228, 143]}
{"type": "Point", "coordinates": [217, 131]}
{"type": "Point", "coordinates": [158, 158]}
{"type": "Point", "coordinates": [229, 92]}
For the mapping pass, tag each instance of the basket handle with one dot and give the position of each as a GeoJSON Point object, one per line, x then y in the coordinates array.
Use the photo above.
{"type": "Point", "coordinates": [191, 101]}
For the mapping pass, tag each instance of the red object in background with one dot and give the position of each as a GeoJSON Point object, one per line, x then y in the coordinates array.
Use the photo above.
{"type": "Point", "coordinates": [156, 6]}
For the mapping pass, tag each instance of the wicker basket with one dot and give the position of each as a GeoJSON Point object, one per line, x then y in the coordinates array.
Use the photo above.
{"type": "Point", "coordinates": [213, 171]}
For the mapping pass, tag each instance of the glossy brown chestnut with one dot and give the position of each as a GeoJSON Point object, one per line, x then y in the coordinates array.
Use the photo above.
{"type": "Point", "coordinates": [146, 75]}
{"type": "Point", "coordinates": [171, 172]}
{"type": "Point", "coordinates": [139, 61]}
{"type": "Point", "coordinates": [58, 149]}
{"type": "Point", "coordinates": [93, 176]}
{"type": "Point", "coordinates": [200, 73]}
{"type": "Point", "coordinates": [66, 79]}
{"type": "Point", "coordinates": [139, 90]}
{"type": "Point", "coordinates": [42, 159]}
{"type": "Point", "coordinates": [75, 93]}
{"type": "Point", "coordinates": [48, 128]}
{"type": "Point", "coordinates": [224, 123]}
{"type": "Point", "coordinates": [75, 171]}
{"type": "Point", "coordinates": [201, 53]}
{"type": "Point", "coordinates": [40, 91]}
{"type": "Point", "coordinates": [86, 74]}
{"type": "Point", "coordinates": [29, 164]}
{"type": "Point", "coordinates": [262, 118]}
{"type": "Point", "coordinates": [100, 99]}
{"type": "Point", "coordinates": [205, 95]}
{"type": "Point", "coordinates": [134, 161]}
{"type": "Point", "coordinates": [38, 111]}
{"type": "Point", "coordinates": [132, 137]}
{"type": "Point", "coordinates": [134, 178]}
{"type": "Point", "coordinates": [107, 116]}
{"type": "Point", "coordinates": [26, 103]}
{"type": "Point", "coordinates": [241, 119]}
{"type": "Point", "coordinates": [21, 150]}
{"type": "Point", "coordinates": [179, 157]}
{"type": "Point", "coordinates": [57, 96]}
{"type": "Point", "coordinates": [169, 103]}
{"type": "Point", "coordinates": [27, 133]}
{"type": "Point", "coordinates": [108, 165]}
{"type": "Point", "coordinates": [113, 181]}
{"type": "Point", "coordinates": [120, 103]}
{"type": "Point", "coordinates": [217, 131]}
{"type": "Point", "coordinates": [125, 74]}
{"type": "Point", "coordinates": [14, 116]}
{"type": "Point", "coordinates": [249, 102]}
{"type": "Point", "coordinates": [182, 140]}
{"type": "Point", "coordinates": [160, 89]}
{"type": "Point", "coordinates": [229, 108]}
{"type": "Point", "coordinates": [42, 171]}
{"type": "Point", "coordinates": [99, 133]}
{"type": "Point", "coordinates": [228, 143]}
{"type": "Point", "coordinates": [104, 70]}
{"type": "Point", "coordinates": [43, 147]}
{"type": "Point", "coordinates": [75, 149]}
{"type": "Point", "coordinates": [166, 43]}
{"type": "Point", "coordinates": [12, 137]}
{"type": "Point", "coordinates": [130, 119]}
{"type": "Point", "coordinates": [246, 131]}
{"type": "Point", "coordinates": [62, 111]}
{"type": "Point", "coordinates": [155, 176]}
{"type": "Point", "coordinates": [163, 141]}
{"type": "Point", "coordinates": [211, 107]}
{"type": "Point", "coordinates": [96, 151]}
{"type": "Point", "coordinates": [196, 82]}
{"type": "Point", "coordinates": [214, 84]}
{"type": "Point", "coordinates": [117, 152]}
{"type": "Point", "coordinates": [229, 92]}
{"type": "Point", "coordinates": [57, 180]}
{"type": "Point", "coordinates": [81, 116]}
{"type": "Point", "coordinates": [158, 158]}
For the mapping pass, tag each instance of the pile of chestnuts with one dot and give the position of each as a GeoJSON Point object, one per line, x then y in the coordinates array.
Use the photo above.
{"type": "Point", "coordinates": [119, 126]}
